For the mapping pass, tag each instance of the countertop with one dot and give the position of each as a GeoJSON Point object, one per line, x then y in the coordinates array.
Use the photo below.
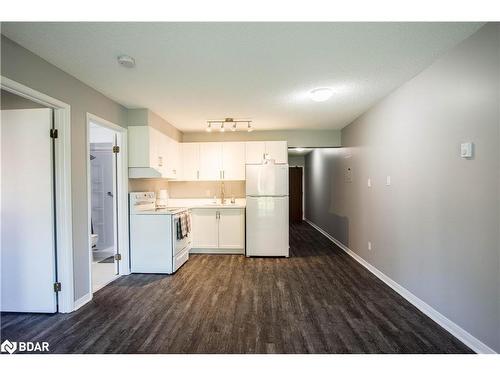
{"type": "Point", "coordinates": [205, 203]}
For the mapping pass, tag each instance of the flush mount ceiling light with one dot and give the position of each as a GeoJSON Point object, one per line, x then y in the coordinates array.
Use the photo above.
{"type": "Point", "coordinates": [126, 61]}
{"type": "Point", "coordinates": [321, 94]}
{"type": "Point", "coordinates": [228, 122]}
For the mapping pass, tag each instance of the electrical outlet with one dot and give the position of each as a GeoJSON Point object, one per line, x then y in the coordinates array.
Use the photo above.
{"type": "Point", "coordinates": [369, 245]}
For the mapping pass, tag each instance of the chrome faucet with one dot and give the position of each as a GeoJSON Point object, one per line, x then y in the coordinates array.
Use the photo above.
{"type": "Point", "coordinates": [222, 193]}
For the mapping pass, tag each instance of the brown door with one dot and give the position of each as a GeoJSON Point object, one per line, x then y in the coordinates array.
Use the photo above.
{"type": "Point", "coordinates": [295, 194]}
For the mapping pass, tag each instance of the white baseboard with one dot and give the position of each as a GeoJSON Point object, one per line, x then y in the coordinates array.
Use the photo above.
{"type": "Point", "coordinates": [82, 301]}
{"type": "Point", "coordinates": [453, 328]}
{"type": "Point", "coordinates": [216, 251]}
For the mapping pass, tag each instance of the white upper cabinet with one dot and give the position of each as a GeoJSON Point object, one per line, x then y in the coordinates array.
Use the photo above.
{"type": "Point", "coordinates": [143, 147]}
{"type": "Point", "coordinates": [277, 150]}
{"type": "Point", "coordinates": [233, 161]}
{"type": "Point", "coordinates": [190, 161]}
{"type": "Point", "coordinates": [255, 152]}
{"type": "Point", "coordinates": [211, 161]}
{"type": "Point", "coordinates": [172, 158]}
{"type": "Point", "coordinates": [151, 154]}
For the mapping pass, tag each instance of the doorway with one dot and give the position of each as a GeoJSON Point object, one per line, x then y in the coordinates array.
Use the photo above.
{"type": "Point", "coordinates": [295, 194]}
{"type": "Point", "coordinates": [107, 191]}
{"type": "Point", "coordinates": [28, 230]}
{"type": "Point", "coordinates": [36, 252]}
{"type": "Point", "coordinates": [103, 205]}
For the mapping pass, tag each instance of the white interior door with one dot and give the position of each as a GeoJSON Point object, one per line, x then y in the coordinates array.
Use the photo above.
{"type": "Point", "coordinates": [114, 202]}
{"type": "Point", "coordinates": [27, 212]}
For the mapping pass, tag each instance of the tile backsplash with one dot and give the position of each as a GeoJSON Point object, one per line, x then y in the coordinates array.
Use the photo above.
{"type": "Point", "coordinates": [190, 189]}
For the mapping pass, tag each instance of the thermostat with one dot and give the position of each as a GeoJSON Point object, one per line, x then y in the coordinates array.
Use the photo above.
{"type": "Point", "coordinates": [466, 150]}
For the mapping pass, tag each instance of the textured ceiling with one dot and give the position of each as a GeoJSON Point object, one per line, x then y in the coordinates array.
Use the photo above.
{"type": "Point", "coordinates": [191, 72]}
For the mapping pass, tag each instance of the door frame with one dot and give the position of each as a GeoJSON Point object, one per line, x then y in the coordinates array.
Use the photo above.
{"type": "Point", "coordinates": [122, 200]}
{"type": "Point", "coordinates": [63, 209]}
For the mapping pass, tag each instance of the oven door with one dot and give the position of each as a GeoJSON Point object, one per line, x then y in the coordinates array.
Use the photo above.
{"type": "Point", "coordinates": [180, 245]}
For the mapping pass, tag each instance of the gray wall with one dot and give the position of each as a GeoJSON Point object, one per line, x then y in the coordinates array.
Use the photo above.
{"type": "Point", "coordinates": [295, 138]}
{"type": "Point", "coordinates": [435, 230]}
{"type": "Point", "coordinates": [296, 160]}
{"type": "Point", "coordinates": [22, 66]}
{"type": "Point", "coordinates": [143, 117]}
{"type": "Point", "coordinates": [13, 101]}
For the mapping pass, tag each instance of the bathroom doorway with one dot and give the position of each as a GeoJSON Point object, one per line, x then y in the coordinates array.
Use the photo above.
{"type": "Point", "coordinates": [103, 231]}
{"type": "Point", "coordinates": [107, 188]}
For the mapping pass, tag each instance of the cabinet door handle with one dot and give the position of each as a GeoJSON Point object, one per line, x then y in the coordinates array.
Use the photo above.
{"type": "Point", "coordinates": [223, 175]}
{"type": "Point", "coordinates": [198, 175]}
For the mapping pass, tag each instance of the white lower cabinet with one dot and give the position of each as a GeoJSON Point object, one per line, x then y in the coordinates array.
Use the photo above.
{"type": "Point", "coordinates": [218, 230]}
{"type": "Point", "coordinates": [205, 228]}
{"type": "Point", "coordinates": [231, 228]}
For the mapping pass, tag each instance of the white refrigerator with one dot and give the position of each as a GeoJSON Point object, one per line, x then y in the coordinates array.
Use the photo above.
{"type": "Point", "coordinates": [267, 210]}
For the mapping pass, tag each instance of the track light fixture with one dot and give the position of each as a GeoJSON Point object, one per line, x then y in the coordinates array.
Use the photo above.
{"type": "Point", "coordinates": [230, 122]}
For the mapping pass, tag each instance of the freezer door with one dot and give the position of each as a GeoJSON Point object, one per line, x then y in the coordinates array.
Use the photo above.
{"type": "Point", "coordinates": [267, 226]}
{"type": "Point", "coordinates": [267, 180]}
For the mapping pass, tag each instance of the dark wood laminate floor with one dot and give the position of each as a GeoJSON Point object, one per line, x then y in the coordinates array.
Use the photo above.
{"type": "Point", "coordinates": [317, 301]}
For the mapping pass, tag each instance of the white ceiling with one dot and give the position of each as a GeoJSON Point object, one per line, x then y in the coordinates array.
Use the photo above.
{"type": "Point", "coordinates": [191, 72]}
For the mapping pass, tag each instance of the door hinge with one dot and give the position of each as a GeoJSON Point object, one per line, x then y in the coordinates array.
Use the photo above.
{"type": "Point", "coordinates": [57, 287]}
{"type": "Point", "coordinates": [118, 257]}
{"type": "Point", "coordinates": [116, 149]}
{"type": "Point", "coordinates": [54, 133]}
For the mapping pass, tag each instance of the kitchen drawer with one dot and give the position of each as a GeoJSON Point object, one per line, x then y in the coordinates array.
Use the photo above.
{"type": "Point", "coordinates": [181, 258]}
{"type": "Point", "coordinates": [180, 245]}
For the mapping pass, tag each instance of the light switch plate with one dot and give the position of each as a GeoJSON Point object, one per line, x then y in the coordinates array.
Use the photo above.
{"type": "Point", "coordinates": [348, 175]}
{"type": "Point", "coordinates": [369, 183]}
{"type": "Point", "coordinates": [466, 150]}
{"type": "Point", "coordinates": [388, 181]}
